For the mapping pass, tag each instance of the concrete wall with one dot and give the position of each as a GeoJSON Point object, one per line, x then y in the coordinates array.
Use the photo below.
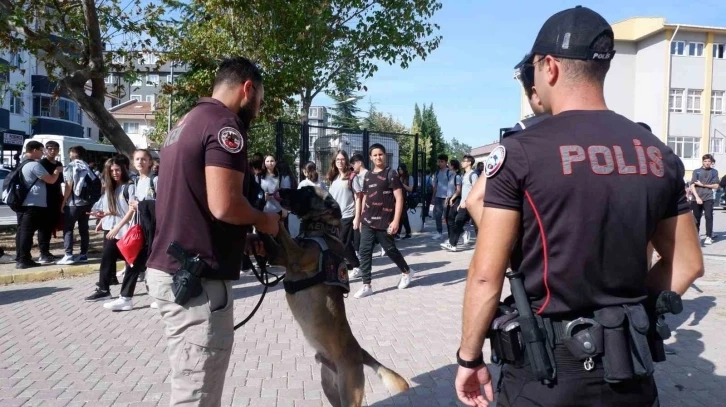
{"type": "Point", "coordinates": [689, 72]}
{"type": "Point", "coordinates": [650, 78]}
{"type": "Point", "coordinates": [620, 80]}
{"type": "Point", "coordinates": [685, 124]}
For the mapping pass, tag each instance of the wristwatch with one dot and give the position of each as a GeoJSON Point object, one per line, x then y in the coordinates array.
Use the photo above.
{"type": "Point", "coordinates": [470, 364]}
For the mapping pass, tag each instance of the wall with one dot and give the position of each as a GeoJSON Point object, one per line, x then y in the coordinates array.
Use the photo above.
{"type": "Point", "coordinates": [650, 79]}
{"type": "Point", "coordinates": [620, 80]}
{"type": "Point", "coordinates": [139, 139]}
{"type": "Point", "coordinates": [689, 72]}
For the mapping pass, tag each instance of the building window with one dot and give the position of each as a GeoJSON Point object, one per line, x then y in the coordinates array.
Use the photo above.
{"type": "Point", "coordinates": [138, 82]}
{"type": "Point", "coordinates": [152, 80]}
{"type": "Point", "coordinates": [16, 105]}
{"type": "Point", "coordinates": [717, 145]}
{"type": "Point", "coordinates": [685, 147]}
{"type": "Point", "coordinates": [118, 60]}
{"type": "Point", "coordinates": [131, 128]}
{"type": "Point", "coordinates": [15, 60]}
{"type": "Point", "coordinates": [169, 79]}
{"type": "Point", "coordinates": [678, 47]}
{"type": "Point", "coordinates": [717, 105]}
{"type": "Point", "coordinates": [675, 100]}
{"type": "Point", "coordinates": [150, 99]}
{"type": "Point", "coordinates": [89, 132]}
{"type": "Point", "coordinates": [693, 103]}
{"type": "Point", "coordinates": [695, 49]}
{"type": "Point", "coordinates": [137, 97]}
{"type": "Point", "coordinates": [64, 109]}
{"type": "Point", "coordinates": [109, 79]}
{"type": "Point", "coordinates": [148, 58]}
{"type": "Point", "coordinates": [718, 51]}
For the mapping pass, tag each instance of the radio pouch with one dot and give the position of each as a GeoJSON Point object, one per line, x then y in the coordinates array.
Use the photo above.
{"type": "Point", "coordinates": [505, 337]}
{"type": "Point", "coordinates": [625, 339]}
{"type": "Point", "coordinates": [639, 349]}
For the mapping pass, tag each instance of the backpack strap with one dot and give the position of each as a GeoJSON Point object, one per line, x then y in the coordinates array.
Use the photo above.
{"type": "Point", "coordinates": [125, 192]}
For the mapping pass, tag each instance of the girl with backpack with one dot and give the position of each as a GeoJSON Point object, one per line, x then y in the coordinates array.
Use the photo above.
{"type": "Point", "coordinates": [115, 212]}
{"type": "Point", "coordinates": [142, 204]}
{"type": "Point", "coordinates": [312, 178]}
{"type": "Point", "coordinates": [341, 189]}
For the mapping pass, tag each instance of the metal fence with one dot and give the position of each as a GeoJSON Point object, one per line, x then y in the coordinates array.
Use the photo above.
{"type": "Point", "coordinates": [297, 143]}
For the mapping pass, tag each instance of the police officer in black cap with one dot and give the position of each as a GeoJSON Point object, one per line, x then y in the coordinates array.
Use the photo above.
{"type": "Point", "coordinates": [571, 204]}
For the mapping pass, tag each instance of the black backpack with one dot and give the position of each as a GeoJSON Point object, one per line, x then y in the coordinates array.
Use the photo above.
{"type": "Point", "coordinates": [14, 189]}
{"type": "Point", "coordinates": [92, 189]}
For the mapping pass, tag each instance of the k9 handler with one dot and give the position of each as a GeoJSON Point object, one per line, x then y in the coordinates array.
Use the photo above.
{"type": "Point", "coordinates": [202, 220]}
{"type": "Point", "coordinates": [572, 202]}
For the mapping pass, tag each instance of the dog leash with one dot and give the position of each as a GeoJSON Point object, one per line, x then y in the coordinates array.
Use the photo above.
{"type": "Point", "coordinates": [263, 276]}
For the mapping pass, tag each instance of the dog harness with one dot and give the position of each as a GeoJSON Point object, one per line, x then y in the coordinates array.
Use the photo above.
{"type": "Point", "coordinates": [332, 270]}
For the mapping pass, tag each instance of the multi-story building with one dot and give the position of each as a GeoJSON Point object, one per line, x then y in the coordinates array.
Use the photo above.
{"type": "Point", "coordinates": [672, 77]}
{"type": "Point", "coordinates": [148, 85]}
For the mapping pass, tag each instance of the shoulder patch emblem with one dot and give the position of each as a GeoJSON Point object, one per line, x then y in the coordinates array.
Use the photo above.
{"type": "Point", "coordinates": [230, 139]}
{"type": "Point", "coordinates": [495, 161]}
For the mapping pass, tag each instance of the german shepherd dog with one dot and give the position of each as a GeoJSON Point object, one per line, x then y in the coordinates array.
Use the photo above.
{"type": "Point", "coordinates": [320, 309]}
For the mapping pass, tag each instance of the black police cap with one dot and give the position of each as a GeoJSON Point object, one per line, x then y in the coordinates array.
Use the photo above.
{"type": "Point", "coordinates": [570, 34]}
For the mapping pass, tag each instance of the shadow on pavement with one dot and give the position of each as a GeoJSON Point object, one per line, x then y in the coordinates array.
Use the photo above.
{"type": "Point", "coordinates": [698, 308]}
{"type": "Point", "coordinates": [26, 294]}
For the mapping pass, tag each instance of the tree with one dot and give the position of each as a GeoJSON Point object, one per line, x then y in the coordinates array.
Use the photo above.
{"type": "Point", "coordinates": [69, 39]}
{"type": "Point", "coordinates": [431, 138]}
{"type": "Point", "coordinates": [308, 46]}
{"type": "Point", "coordinates": [385, 125]}
{"type": "Point", "coordinates": [456, 149]}
{"type": "Point", "coordinates": [345, 112]}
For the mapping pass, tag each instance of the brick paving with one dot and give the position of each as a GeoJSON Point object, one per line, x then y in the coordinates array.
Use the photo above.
{"type": "Point", "coordinates": [56, 350]}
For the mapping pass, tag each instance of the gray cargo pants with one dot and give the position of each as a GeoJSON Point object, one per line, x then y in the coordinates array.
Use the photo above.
{"type": "Point", "coordinates": [199, 337]}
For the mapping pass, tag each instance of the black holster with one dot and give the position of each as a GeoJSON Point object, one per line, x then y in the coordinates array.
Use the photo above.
{"type": "Point", "coordinates": [187, 281]}
{"type": "Point", "coordinates": [505, 337]}
{"type": "Point", "coordinates": [626, 348]}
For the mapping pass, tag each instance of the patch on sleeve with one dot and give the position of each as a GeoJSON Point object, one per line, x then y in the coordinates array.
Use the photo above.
{"type": "Point", "coordinates": [230, 139]}
{"type": "Point", "coordinates": [495, 161]}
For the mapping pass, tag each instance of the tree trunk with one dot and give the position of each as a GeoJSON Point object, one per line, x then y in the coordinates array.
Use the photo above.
{"type": "Point", "coordinates": [97, 113]}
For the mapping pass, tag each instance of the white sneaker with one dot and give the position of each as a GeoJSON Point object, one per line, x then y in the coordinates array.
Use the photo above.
{"type": "Point", "coordinates": [436, 236]}
{"type": "Point", "coordinates": [405, 279]}
{"type": "Point", "coordinates": [120, 304]}
{"type": "Point", "coordinates": [154, 305]}
{"type": "Point", "coordinates": [467, 237]}
{"type": "Point", "coordinates": [364, 291]}
{"type": "Point", "coordinates": [448, 246]}
{"type": "Point", "coordinates": [382, 253]}
{"type": "Point", "coordinates": [66, 260]}
{"type": "Point", "coordinates": [120, 274]}
{"type": "Point", "coordinates": [708, 241]}
{"type": "Point", "coordinates": [355, 273]}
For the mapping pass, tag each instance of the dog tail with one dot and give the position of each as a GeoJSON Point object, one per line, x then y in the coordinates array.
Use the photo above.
{"type": "Point", "coordinates": [392, 380]}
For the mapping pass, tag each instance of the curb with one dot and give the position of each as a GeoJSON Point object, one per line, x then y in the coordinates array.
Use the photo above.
{"type": "Point", "coordinates": [53, 274]}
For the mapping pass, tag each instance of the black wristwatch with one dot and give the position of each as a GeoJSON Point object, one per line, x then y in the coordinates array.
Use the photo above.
{"type": "Point", "coordinates": [470, 364]}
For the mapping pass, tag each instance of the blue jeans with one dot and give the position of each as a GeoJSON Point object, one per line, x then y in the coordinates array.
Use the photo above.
{"type": "Point", "coordinates": [438, 213]}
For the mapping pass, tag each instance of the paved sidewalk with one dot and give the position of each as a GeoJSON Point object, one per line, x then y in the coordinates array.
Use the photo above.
{"type": "Point", "coordinates": [56, 350]}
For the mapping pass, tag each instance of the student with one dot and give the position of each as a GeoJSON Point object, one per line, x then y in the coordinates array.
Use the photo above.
{"type": "Point", "coordinates": [115, 212]}
{"type": "Point", "coordinates": [382, 207]}
{"type": "Point", "coordinates": [341, 189]}
{"type": "Point", "coordinates": [54, 200]}
{"type": "Point", "coordinates": [75, 208]}
{"type": "Point", "coordinates": [312, 178]}
{"type": "Point", "coordinates": [145, 189]}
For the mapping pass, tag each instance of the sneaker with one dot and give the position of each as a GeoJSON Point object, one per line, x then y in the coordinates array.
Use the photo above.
{"type": "Point", "coordinates": [154, 305]}
{"type": "Point", "coordinates": [82, 258]}
{"type": "Point", "coordinates": [467, 237]}
{"type": "Point", "coordinates": [26, 265]}
{"type": "Point", "coordinates": [708, 241]}
{"type": "Point", "coordinates": [382, 253]}
{"type": "Point", "coordinates": [448, 246]}
{"type": "Point", "coordinates": [405, 279]}
{"type": "Point", "coordinates": [436, 236]}
{"type": "Point", "coordinates": [364, 291]}
{"type": "Point", "coordinates": [141, 277]}
{"type": "Point", "coordinates": [46, 259]}
{"type": "Point", "coordinates": [120, 304]}
{"type": "Point", "coordinates": [67, 259]}
{"type": "Point", "coordinates": [98, 295]}
{"type": "Point", "coordinates": [247, 271]}
{"type": "Point", "coordinates": [408, 236]}
{"type": "Point", "coordinates": [355, 273]}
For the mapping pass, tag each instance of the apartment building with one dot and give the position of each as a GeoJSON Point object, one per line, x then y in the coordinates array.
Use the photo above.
{"type": "Point", "coordinates": [672, 77]}
{"type": "Point", "coordinates": [137, 119]}
{"type": "Point", "coordinates": [148, 85]}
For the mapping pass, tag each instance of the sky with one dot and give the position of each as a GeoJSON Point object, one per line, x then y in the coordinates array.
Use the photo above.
{"type": "Point", "coordinates": [469, 78]}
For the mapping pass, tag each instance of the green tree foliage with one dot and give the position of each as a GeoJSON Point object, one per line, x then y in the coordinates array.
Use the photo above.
{"type": "Point", "coordinates": [432, 141]}
{"type": "Point", "coordinates": [382, 124]}
{"type": "Point", "coordinates": [69, 40]}
{"type": "Point", "coordinates": [456, 149]}
{"type": "Point", "coordinates": [304, 47]}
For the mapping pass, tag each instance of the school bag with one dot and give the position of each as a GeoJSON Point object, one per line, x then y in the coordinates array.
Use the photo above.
{"type": "Point", "coordinates": [14, 189]}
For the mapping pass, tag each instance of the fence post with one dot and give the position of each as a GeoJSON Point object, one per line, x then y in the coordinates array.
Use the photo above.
{"type": "Point", "coordinates": [415, 162]}
{"type": "Point", "coordinates": [279, 145]}
{"type": "Point", "coordinates": [304, 145]}
{"type": "Point", "coordinates": [366, 145]}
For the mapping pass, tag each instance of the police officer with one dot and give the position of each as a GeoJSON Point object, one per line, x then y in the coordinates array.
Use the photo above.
{"type": "Point", "coordinates": [572, 203]}
{"type": "Point", "coordinates": [204, 211]}
{"type": "Point", "coordinates": [524, 73]}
